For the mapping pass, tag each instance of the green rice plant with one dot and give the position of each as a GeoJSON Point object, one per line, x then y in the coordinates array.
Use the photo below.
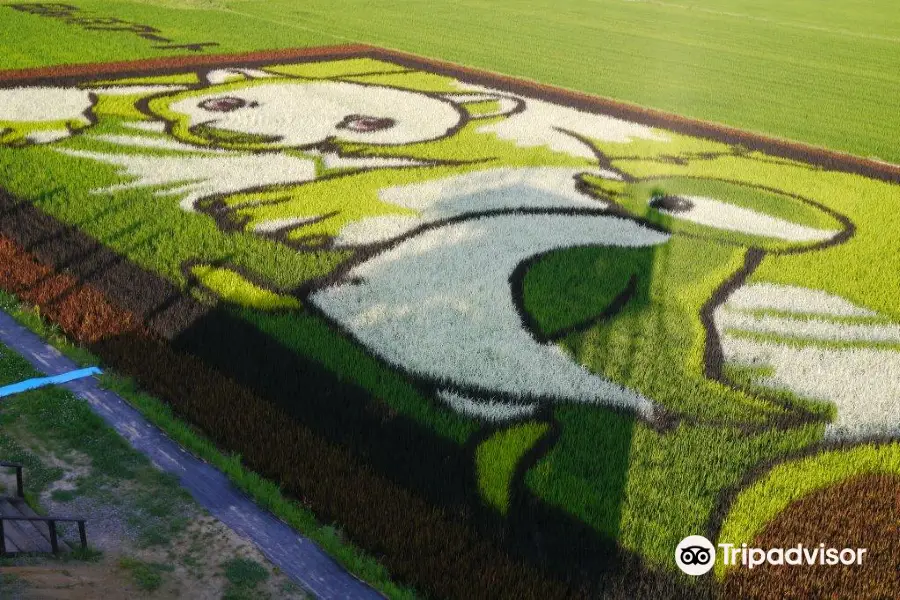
{"type": "Point", "coordinates": [645, 489]}
{"type": "Point", "coordinates": [498, 457]}
{"type": "Point", "coordinates": [658, 192]}
{"type": "Point", "coordinates": [248, 343]}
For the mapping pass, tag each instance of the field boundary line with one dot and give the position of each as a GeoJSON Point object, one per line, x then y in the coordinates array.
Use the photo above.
{"type": "Point", "coordinates": [125, 68]}
{"type": "Point", "coordinates": [785, 148]}
{"type": "Point", "coordinates": [294, 554]}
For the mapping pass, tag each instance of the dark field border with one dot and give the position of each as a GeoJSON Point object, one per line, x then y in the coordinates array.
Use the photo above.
{"type": "Point", "coordinates": [406, 495]}
{"type": "Point", "coordinates": [821, 157]}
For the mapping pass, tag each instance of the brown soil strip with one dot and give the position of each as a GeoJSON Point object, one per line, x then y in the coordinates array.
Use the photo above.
{"type": "Point", "coordinates": [862, 512]}
{"type": "Point", "coordinates": [125, 68]}
{"type": "Point", "coordinates": [81, 311]}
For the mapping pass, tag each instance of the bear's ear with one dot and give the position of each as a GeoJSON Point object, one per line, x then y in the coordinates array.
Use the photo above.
{"type": "Point", "coordinates": [487, 105]}
{"type": "Point", "coordinates": [219, 76]}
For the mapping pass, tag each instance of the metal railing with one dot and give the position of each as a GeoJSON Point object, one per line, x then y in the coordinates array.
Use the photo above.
{"type": "Point", "coordinates": [20, 489]}
{"type": "Point", "coordinates": [51, 524]}
{"type": "Point", "coordinates": [51, 521]}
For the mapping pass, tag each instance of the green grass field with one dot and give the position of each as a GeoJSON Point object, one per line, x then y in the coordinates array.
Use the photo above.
{"type": "Point", "coordinates": [822, 73]}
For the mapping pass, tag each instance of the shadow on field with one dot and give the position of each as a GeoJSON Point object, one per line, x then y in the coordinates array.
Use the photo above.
{"type": "Point", "coordinates": [594, 443]}
{"type": "Point", "coordinates": [161, 305]}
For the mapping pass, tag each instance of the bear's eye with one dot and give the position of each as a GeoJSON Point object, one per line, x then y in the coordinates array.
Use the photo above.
{"type": "Point", "coordinates": [223, 104]}
{"type": "Point", "coordinates": [365, 124]}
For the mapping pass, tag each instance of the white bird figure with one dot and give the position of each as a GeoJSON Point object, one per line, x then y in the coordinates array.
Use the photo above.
{"type": "Point", "coordinates": [438, 303]}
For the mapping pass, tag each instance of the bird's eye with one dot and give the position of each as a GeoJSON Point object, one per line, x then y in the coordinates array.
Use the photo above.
{"type": "Point", "coordinates": [223, 104]}
{"type": "Point", "coordinates": [724, 215]}
{"type": "Point", "coordinates": [365, 124]}
{"type": "Point", "coordinates": [671, 204]}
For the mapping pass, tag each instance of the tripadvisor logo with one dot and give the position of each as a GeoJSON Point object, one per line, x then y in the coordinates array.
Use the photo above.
{"type": "Point", "coordinates": [696, 555]}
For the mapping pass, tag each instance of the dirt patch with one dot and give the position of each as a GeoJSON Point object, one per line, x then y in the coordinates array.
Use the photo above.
{"type": "Point", "coordinates": [862, 512]}
{"type": "Point", "coordinates": [77, 465]}
{"type": "Point", "coordinates": [86, 581]}
{"type": "Point", "coordinates": [198, 555]}
{"type": "Point", "coordinates": [191, 566]}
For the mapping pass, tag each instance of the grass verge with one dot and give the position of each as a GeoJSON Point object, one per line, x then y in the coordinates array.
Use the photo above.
{"type": "Point", "coordinates": [147, 576]}
{"type": "Point", "coordinates": [244, 577]}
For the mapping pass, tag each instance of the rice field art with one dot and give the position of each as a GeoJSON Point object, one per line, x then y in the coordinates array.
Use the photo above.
{"type": "Point", "coordinates": [512, 340]}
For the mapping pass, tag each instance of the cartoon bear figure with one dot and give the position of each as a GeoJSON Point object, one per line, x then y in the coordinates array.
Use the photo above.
{"type": "Point", "coordinates": [313, 118]}
{"type": "Point", "coordinates": [441, 198]}
{"type": "Point", "coordinates": [39, 115]}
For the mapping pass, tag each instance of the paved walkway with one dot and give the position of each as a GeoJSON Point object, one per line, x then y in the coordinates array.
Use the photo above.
{"type": "Point", "coordinates": [298, 557]}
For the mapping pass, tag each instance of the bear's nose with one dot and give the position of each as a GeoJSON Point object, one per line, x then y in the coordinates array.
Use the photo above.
{"type": "Point", "coordinates": [223, 104]}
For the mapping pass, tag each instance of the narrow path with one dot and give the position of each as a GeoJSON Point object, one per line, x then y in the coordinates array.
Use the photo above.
{"type": "Point", "coordinates": [298, 557]}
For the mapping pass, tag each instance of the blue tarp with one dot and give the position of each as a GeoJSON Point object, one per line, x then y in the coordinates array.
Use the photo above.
{"type": "Point", "coordinates": [30, 384]}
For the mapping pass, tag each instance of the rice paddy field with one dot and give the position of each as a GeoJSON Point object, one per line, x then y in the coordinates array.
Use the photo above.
{"type": "Point", "coordinates": [420, 266]}
{"type": "Point", "coordinates": [826, 73]}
